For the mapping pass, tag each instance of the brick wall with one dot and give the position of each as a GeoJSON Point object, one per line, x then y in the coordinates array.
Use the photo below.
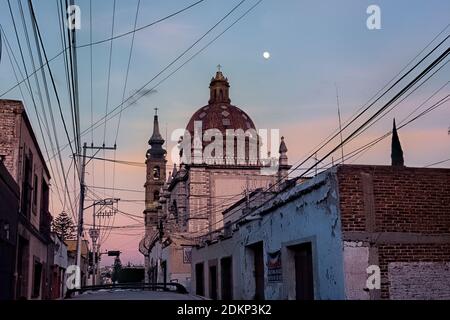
{"type": "Point", "coordinates": [403, 214]}
{"type": "Point", "coordinates": [406, 199]}
{"type": "Point", "coordinates": [10, 134]}
{"type": "Point", "coordinates": [418, 276]}
{"type": "Point", "coordinates": [425, 280]}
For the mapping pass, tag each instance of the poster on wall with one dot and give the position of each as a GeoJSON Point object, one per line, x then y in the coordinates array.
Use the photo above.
{"type": "Point", "coordinates": [187, 255]}
{"type": "Point", "coordinates": [274, 266]}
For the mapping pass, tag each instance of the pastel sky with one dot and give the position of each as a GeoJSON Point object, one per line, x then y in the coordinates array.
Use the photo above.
{"type": "Point", "coordinates": [314, 46]}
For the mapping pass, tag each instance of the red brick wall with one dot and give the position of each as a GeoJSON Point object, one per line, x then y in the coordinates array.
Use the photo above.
{"type": "Point", "coordinates": [9, 134]}
{"type": "Point", "coordinates": [406, 199]}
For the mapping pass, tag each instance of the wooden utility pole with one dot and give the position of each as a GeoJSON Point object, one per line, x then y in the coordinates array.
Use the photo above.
{"type": "Point", "coordinates": [82, 162]}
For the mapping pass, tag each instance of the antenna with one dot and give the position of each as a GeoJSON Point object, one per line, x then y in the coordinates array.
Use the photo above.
{"type": "Point", "coordinates": [316, 159]}
{"type": "Point", "coordinates": [340, 122]}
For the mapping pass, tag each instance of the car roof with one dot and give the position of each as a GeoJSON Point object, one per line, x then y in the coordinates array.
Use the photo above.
{"type": "Point", "coordinates": [132, 294]}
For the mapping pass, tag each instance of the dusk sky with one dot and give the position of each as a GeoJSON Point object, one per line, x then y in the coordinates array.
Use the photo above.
{"type": "Point", "coordinates": [314, 46]}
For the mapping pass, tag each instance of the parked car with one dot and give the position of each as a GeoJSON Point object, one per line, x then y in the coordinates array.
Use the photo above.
{"type": "Point", "coordinates": [132, 291]}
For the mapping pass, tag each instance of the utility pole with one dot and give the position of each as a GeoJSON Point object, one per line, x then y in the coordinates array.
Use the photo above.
{"type": "Point", "coordinates": [81, 208]}
{"type": "Point", "coordinates": [161, 235]}
{"type": "Point", "coordinates": [95, 232]}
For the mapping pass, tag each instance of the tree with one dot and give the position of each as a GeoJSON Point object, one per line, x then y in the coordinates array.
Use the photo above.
{"type": "Point", "coordinates": [64, 227]}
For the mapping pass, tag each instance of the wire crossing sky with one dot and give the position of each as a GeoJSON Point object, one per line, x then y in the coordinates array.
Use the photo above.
{"type": "Point", "coordinates": [283, 59]}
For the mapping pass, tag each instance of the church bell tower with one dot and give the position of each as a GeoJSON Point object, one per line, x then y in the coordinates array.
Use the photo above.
{"type": "Point", "coordinates": [156, 174]}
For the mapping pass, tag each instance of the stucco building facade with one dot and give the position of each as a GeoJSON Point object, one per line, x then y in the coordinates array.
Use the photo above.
{"type": "Point", "coordinates": [325, 237]}
{"type": "Point", "coordinates": [214, 172]}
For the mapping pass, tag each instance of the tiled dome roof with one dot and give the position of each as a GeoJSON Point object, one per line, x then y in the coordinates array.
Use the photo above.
{"type": "Point", "coordinates": [221, 117]}
{"type": "Point", "coordinates": [219, 113]}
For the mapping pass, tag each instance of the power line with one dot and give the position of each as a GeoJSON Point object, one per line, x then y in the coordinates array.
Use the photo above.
{"type": "Point", "coordinates": [380, 110]}
{"type": "Point", "coordinates": [436, 163]}
{"type": "Point", "coordinates": [56, 94]}
{"type": "Point", "coordinates": [100, 121]}
{"type": "Point", "coordinates": [28, 79]}
{"type": "Point", "coordinates": [353, 154]}
{"type": "Point", "coordinates": [338, 130]}
{"type": "Point", "coordinates": [377, 113]}
{"type": "Point", "coordinates": [49, 104]}
{"type": "Point", "coordinates": [141, 28]}
{"type": "Point", "coordinates": [128, 69]}
{"type": "Point", "coordinates": [61, 21]}
{"type": "Point", "coordinates": [109, 66]}
{"type": "Point", "coordinates": [404, 98]}
{"type": "Point", "coordinates": [102, 41]}
{"type": "Point", "coordinates": [12, 59]}
{"type": "Point", "coordinates": [117, 189]}
{"type": "Point", "coordinates": [73, 62]}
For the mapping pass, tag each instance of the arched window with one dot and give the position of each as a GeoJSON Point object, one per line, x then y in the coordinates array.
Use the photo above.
{"type": "Point", "coordinates": [156, 196]}
{"type": "Point", "coordinates": [221, 95]}
{"type": "Point", "coordinates": [156, 173]}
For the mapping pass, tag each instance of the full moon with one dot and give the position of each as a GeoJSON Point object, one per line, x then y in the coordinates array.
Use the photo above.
{"type": "Point", "coordinates": [266, 55]}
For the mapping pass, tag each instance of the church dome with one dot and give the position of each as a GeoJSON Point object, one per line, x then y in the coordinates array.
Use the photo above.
{"type": "Point", "coordinates": [220, 113]}
{"type": "Point", "coordinates": [222, 117]}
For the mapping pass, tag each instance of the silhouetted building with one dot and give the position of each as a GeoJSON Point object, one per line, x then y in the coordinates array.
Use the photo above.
{"type": "Point", "coordinates": [9, 219]}
{"type": "Point", "coordinates": [26, 164]}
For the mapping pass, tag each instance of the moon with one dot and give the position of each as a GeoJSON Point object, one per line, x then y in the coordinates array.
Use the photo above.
{"type": "Point", "coordinates": [266, 55]}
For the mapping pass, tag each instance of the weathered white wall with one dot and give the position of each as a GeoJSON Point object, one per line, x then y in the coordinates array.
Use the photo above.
{"type": "Point", "coordinates": [419, 280]}
{"type": "Point", "coordinates": [37, 250]}
{"type": "Point", "coordinates": [217, 251]}
{"type": "Point", "coordinates": [306, 213]}
{"type": "Point", "coordinates": [176, 270]}
{"type": "Point", "coordinates": [356, 261]}
{"type": "Point", "coordinates": [227, 187]}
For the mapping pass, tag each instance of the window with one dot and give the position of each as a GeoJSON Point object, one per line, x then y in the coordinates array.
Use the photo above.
{"type": "Point", "coordinates": [35, 193]}
{"type": "Point", "coordinates": [27, 184]}
{"type": "Point", "coordinates": [45, 196]}
{"type": "Point", "coordinates": [156, 173]}
{"type": "Point", "coordinates": [156, 196]}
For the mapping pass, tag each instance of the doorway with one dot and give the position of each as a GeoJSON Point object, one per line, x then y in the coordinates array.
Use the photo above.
{"type": "Point", "coordinates": [304, 277]}
{"type": "Point", "coordinates": [227, 278]}
{"type": "Point", "coordinates": [213, 282]}
{"type": "Point", "coordinates": [199, 279]}
{"type": "Point", "coordinates": [258, 271]}
{"type": "Point", "coordinates": [22, 269]}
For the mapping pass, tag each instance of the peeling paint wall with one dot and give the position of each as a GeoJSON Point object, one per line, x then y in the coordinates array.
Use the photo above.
{"type": "Point", "coordinates": [305, 213]}
{"type": "Point", "coordinates": [356, 261]}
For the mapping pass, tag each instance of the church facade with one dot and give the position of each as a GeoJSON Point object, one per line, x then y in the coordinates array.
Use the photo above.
{"type": "Point", "coordinates": [220, 163]}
